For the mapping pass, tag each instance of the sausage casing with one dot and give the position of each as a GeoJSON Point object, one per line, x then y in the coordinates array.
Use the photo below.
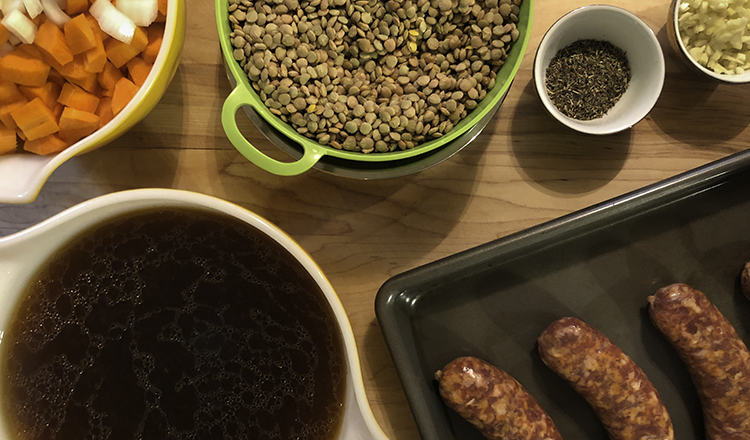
{"type": "Point", "coordinates": [716, 358]}
{"type": "Point", "coordinates": [493, 401]}
{"type": "Point", "coordinates": [617, 389]}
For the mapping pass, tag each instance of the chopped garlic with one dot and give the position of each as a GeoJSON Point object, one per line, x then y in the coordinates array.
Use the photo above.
{"type": "Point", "coordinates": [716, 33]}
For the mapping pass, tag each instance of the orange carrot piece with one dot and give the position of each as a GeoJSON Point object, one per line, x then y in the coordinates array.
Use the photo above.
{"type": "Point", "coordinates": [4, 34]}
{"type": "Point", "coordinates": [9, 92]}
{"type": "Point", "coordinates": [75, 97]}
{"type": "Point", "coordinates": [57, 111]}
{"type": "Point", "coordinates": [109, 76]}
{"type": "Point", "coordinates": [138, 70]}
{"type": "Point", "coordinates": [155, 37]}
{"type": "Point", "coordinates": [35, 119]}
{"type": "Point", "coordinates": [75, 7]}
{"type": "Point", "coordinates": [6, 109]}
{"type": "Point", "coordinates": [51, 40]}
{"type": "Point", "coordinates": [31, 50]}
{"type": "Point", "coordinates": [23, 69]}
{"type": "Point", "coordinates": [95, 26]}
{"type": "Point", "coordinates": [8, 140]}
{"type": "Point", "coordinates": [96, 58]}
{"type": "Point", "coordinates": [120, 53]}
{"type": "Point", "coordinates": [75, 72]}
{"type": "Point", "coordinates": [162, 6]}
{"type": "Point", "coordinates": [45, 146]}
{"type": "Point", "coordinates": [78, 35]}
{"type": "Point", "coordinates": [104, 111]}
{"type": "Point", "coordinates": [124, 92]}
{"type": "Point", "coordinates": [77, 124]}
{"type": "Point", "coordinates": [48, 93]}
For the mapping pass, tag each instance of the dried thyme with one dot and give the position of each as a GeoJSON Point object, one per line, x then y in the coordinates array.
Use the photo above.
{"type": "Point", "coordinates": [586, 79]}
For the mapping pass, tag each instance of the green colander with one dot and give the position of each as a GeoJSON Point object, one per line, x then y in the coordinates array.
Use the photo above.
{"type": "Point", "coordinates": [243, 94]}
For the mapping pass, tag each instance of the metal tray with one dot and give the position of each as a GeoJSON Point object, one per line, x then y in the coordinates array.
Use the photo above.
{"type": "Point", "coordinates": [598, 264]}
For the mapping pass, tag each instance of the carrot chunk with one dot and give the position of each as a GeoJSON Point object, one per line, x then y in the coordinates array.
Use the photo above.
{"type": "Point", "coordinates": [75, 7]}
{"type": "Point", "coordinates": [96, 58]}
{"type": "Point", "coordinates": [155, 36]}
{"type": "Point", "coordinates": [48, 93]}
{"type": "Point", "coordinates": [138, 70]}
{"type": "Point", "coordinates": [8, 140]}
{"type": "Point", "coordinates": [45, 146]}
{"type": "Point", "coordinates": [9, 92]}
{"type": "Point", "coordinates": [105, 111]}
{"type": "Point", "coordinates": [120, 53]}
{"type": "Point", "coordinates": [35, 119]}
{"type": "Point", "coordinates": [75, 72]}
{"type": "Point", "coordinates": [124, 92]}
{"type": "Point", "coordinates": [51, 40]}
{"type": "Point", "coordinates": [23, 69]}
{"type": "Point", "coordinates": [78, 34]}
{"type": "Point", "coordinates": [109, 76]}
{"type": "Point", "coordinates": [75, 97]}
{"type": "Point", "coordinates": [6, 109]}
{"type": "Point", "coordinates": [77, 124]}
{"type": "Point", "coordinates": [4, 34]}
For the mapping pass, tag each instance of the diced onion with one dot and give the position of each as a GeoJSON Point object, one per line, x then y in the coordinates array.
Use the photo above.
{"type": "Point", "coordinates": [21, 26]}
{"type": "Point", "coordinates": [142, 12]}
{"type": "Point", "coordinates": [9, 6]}
{"type": "Point", "coordinates": [33, 7]}
{"type": "Point", "coordinates": [112, 21]}
{"type": "Point", "coordinates": [54, 13]}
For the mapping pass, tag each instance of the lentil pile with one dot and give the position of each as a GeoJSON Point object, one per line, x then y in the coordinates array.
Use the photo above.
{"type": "Point", "coordinates": [372, 75]}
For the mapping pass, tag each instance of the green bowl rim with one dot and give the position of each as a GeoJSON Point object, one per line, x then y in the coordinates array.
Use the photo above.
{"type": "Point", "coordinates": [505, 78]}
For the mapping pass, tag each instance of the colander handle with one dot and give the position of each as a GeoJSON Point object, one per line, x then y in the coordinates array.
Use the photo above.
{"type": "Point", "coordinates": [236, 99]}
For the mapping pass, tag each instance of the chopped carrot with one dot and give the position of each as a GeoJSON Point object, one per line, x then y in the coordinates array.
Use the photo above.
{"type": "Point", "coordinates": [9, 92]}
{"type": "Point", "coordinates": [109, 76]}
{"type": "Point", "coordinates": [8, 140]}
{"type": "Point", "coordinates": [4, 34]}
{"type": "Point", "coordinates": [51, 40]}
{"type": "Point", "coordinates": [138, 70]}
{"type": "Point", "coordinates": [96, 58]}
{"type": "Point", "coordinates": [161, 15]}
{"type": "Point", "coordinates": [105, 111]}
{"type": "Point", "coordinates": [48, 93]}
{"type": "Point", "coordinates": [78, 34]}
{"type": "Point", "coordinates": [95, 26]}
{"type": "Point", "coordinates": [124, 92]}
{"type": "Point", "coordinates": [75, 7]}
{"type": "Point", "coordinates": [35, 119]}
{"type": "Point", "coordinates": [120, 53]}
{"type": "Point", "coordinates": [77, 124]}
{"type": "Point", "coordinates": [45, 146]}
{"type": "Point", "coordinates": [75, 97]}
{"type": "Point", "coordinates": [23, 69]}
{"type": "Point", "coordinates": [31, 50]}
{"type": "Point", "coordinates": [56, 77]}
{"type": "Point", "coordinates": [57, 111]}
{"type": "Point", "coordinates": [6, 109]}
{"type": "Point", "coordinates": [155, 36]}
{"type": "Point", "coordinates": [75, 72]}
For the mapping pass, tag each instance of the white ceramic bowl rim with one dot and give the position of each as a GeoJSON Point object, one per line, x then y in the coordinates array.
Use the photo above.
{"type": "Point", "coordinates": [723, 77]}
{"type": "Point", "coordinates": [623, 29]}
{"type": "Point", "coordinates": [22, 253]}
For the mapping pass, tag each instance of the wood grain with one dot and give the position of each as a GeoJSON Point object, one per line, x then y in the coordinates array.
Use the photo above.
{"type": "Point", "coordinates": [524, 169]}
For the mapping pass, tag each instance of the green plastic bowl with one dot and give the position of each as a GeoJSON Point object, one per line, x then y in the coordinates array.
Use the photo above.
{"type": "Point", "coordinates": [243, 94]}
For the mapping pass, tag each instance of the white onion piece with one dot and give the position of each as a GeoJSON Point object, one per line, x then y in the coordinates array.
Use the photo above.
{"type": "Point", "coordinates": [6, 48]}
{"type": "Point", "coordinates": [112, 21]}
{"type": "Point", "coordinates": [33, 7]}
{"type": "Point", "coordinates": [54, 13]}
{"type": "Point", "coordinates": [9, 6]}
{"type": "Point", "coordinates": [21, 26]}
{"type": "Point", "coordinates": [142, 12]}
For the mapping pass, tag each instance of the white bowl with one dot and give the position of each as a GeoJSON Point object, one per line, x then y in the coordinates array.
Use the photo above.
{"type": "Point", "coordinates": [676, 42]}
{"type": "Point", "coordinates": [22, 254]}
{"type": "Point", "coordinates": [624, 30]}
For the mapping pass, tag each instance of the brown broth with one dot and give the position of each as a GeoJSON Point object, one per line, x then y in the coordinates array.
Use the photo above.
{"type": "Point", "coordinates": [173, 324]}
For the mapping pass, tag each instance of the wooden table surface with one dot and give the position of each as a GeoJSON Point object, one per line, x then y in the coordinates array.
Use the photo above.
{"type": "Point", "coordinates": [524, 169]}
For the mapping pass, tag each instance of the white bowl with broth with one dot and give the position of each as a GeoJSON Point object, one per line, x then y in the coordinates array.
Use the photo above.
{"type": "Point", "coordinates": [624, 30]}
{"type": "Point", "coordinates": [27, 254]}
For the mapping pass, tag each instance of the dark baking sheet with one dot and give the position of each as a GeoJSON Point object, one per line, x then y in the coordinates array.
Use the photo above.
{"type": "Point", "coordinates": [598, 264]}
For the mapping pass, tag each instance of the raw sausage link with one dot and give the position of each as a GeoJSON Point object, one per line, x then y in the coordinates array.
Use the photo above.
{"type": "Point", "coordinates": [616, 388]}
{"type": "Point", "coordinates": [716, 358]}
{"type": "Point", "coordinates": [493, 401]}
